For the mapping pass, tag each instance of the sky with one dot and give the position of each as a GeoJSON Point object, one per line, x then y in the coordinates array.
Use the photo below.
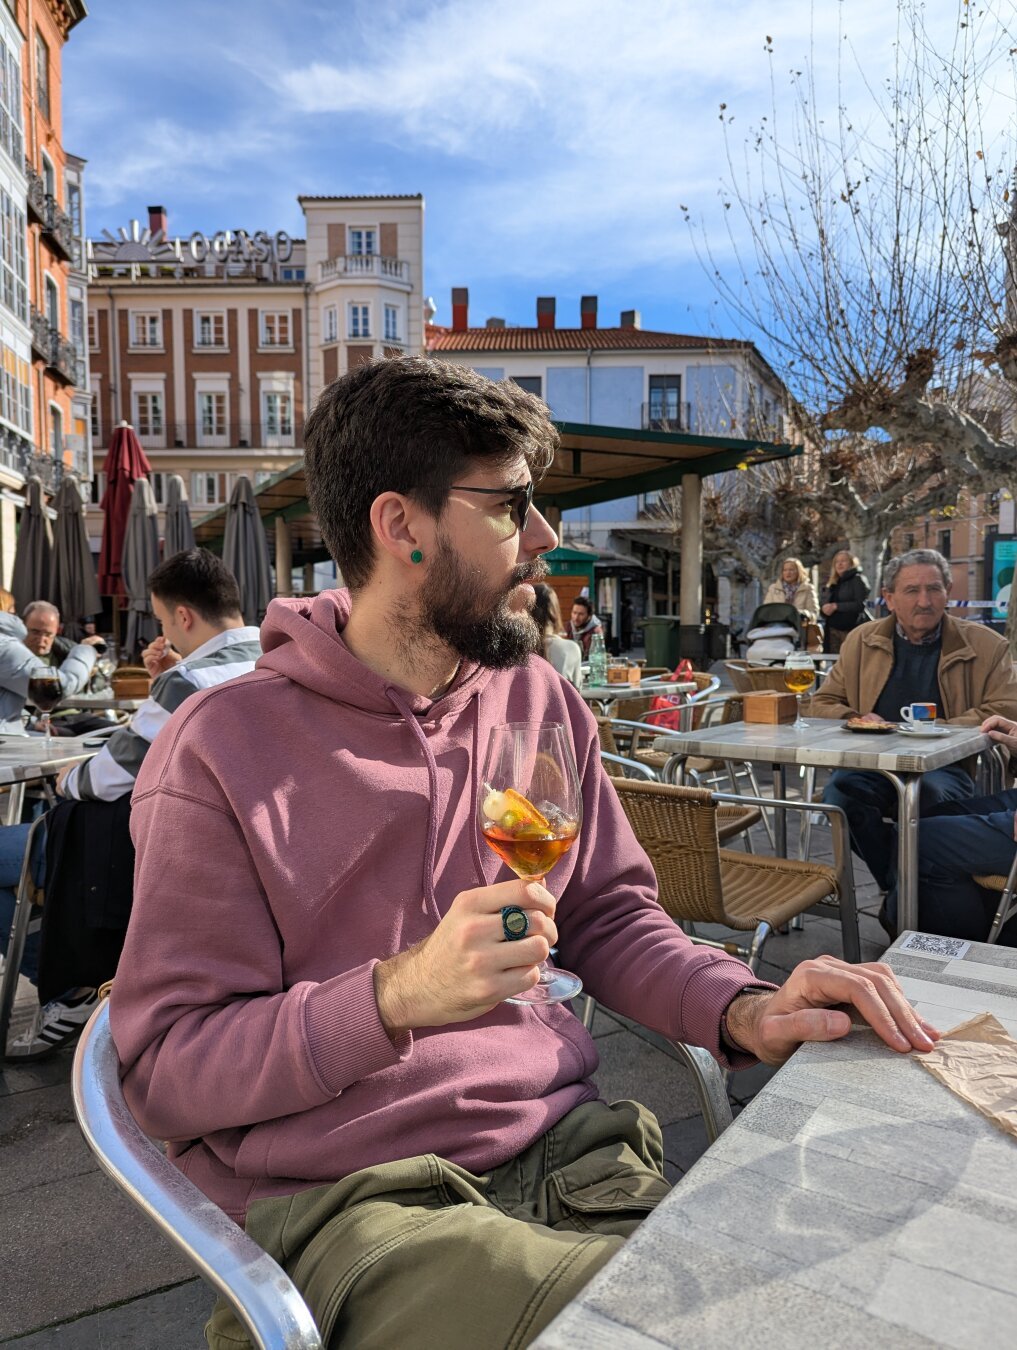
{"type": "Point", "coordinates": [556, 142]}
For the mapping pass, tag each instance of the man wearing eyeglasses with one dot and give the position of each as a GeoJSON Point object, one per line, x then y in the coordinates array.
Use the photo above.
{"type": "Point", "coordinates": [310, 1003]}
{"type": "Point", "coordinates": [918, 654]}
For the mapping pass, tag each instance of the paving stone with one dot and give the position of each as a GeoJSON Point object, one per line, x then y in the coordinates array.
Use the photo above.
{"type": "Point", "coordinates": [629, 1068]}
{"type": "Point", "coordinates": [40, 1140]}
{"type": "Point", "coordinates": [171, 1319]}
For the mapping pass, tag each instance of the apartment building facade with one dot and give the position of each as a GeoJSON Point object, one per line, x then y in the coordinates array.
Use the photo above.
{"type": "Point", "coordinates": [214, 346]}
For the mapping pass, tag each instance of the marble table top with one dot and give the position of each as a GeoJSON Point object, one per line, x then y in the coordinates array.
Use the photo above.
{"type": "Point", "coordinates": [856, 1202]}
{"type": "Point", "coordinates": [105, 702]}
{"type": "Point", "coordinates": [621, 692]}
{"type": "Point", "coordinates": [24, 758]}
{"type": "Point", "coordinates": [825, 744]}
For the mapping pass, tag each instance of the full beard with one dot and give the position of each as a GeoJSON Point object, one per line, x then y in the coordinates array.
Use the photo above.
{"type": "Point", "coordinates": [472, 620]}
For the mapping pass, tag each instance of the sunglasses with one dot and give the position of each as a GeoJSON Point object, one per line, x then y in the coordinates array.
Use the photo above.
{"type": "Point", "coordinates": [520, 497]}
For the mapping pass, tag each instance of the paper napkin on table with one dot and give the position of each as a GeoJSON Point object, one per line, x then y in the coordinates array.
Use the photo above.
{"type": "Point", "coordinates": [978, 1061]}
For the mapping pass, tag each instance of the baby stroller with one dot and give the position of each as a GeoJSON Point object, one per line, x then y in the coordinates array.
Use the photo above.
{"type": "Point", "coordinates": [774, 631]}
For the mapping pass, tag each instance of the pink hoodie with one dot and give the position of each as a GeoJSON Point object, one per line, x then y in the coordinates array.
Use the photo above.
{"type": "Point", "coordinates": [297, 825]}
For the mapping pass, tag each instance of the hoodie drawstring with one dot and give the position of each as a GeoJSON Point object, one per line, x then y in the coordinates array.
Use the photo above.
{"type": "Point", "coordinates": [432, 814]}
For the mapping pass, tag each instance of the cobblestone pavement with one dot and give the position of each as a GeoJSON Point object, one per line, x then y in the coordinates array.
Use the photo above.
{"type": "Point", "coordinates": [82, 1270]}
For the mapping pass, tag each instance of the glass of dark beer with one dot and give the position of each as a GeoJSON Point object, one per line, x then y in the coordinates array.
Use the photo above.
{"type": "Point", "coordinates": [44, 692]}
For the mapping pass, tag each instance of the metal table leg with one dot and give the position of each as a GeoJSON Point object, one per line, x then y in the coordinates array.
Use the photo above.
{"type": "Point", "coordinates": [19, 932]}
{"type": "Point", "coordinates": [907, 847]}
{"type": "Point", "coordinates": [15, 801]}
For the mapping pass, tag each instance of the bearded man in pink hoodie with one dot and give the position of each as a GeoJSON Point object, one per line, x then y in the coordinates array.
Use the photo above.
{"type": "Point", "coordinates": [309, 1006]}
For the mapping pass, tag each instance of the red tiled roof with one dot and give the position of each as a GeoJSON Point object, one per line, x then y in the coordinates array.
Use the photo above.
{"type": "Point", "coordinates": [441, 339]}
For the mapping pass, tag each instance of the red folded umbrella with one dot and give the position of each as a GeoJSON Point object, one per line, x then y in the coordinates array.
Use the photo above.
{"type": "Point", "coordinates": [126, 462]}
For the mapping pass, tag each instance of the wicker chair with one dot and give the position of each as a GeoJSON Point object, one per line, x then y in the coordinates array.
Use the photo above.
{"type": "Point", "coordinates": [732, 817]}
{"type": "Point", "coordinates": [749, 679]}
{"type": "Point", "coordinates": [700, 882]}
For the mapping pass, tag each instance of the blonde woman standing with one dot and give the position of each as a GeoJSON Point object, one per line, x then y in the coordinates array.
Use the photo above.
{"type": "Point", "coordinates": [793, 587]}
{"type": "Point", "coordinates": [844, 597]}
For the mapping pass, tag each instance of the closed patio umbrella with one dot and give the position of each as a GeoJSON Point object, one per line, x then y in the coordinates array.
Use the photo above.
{"type": "Point", "coordinates": [74, 591]}
{"type": "Point", "coordinates": [140, 559]}
{"type": "Point", "coordinates": [179, 530]}
{"type": "Point", "coordinates": [33, 556]}
{"type": "Point", "coordinates": [126, 462]}
{"type": "Point", "coordinates": [245, 551]}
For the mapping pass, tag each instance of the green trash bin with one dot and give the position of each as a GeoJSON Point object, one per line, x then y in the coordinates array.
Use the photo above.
{"type": "Point", "coordinates": [663, 640]}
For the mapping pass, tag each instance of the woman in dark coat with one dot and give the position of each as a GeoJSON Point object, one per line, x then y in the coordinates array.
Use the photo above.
{"type": "Point", "coordinates": [844, 597]}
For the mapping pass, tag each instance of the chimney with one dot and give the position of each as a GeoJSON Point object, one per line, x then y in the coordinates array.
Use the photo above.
{"type": "Point", "coordinates": [495, 323]}
{"type": "Point", "coordinates": [631, 318]}
{"type": "Point", "coordinates": [158, 219]}
{"type": "Point", "coordinates": [545, 311]}
{"type": "Point", "coordinates": [588, 311]}
{"type": "Point", "coordinates": [460, 309]}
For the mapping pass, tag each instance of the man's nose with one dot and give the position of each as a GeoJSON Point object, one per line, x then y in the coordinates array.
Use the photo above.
{"type": "Point", "coordinates": [539, 536]}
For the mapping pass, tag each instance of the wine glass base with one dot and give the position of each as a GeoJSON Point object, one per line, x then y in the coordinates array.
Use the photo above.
{"type": "Point", "coordinates": [800, 724]}
{"type": "Point", "coordinates": [562, 986]}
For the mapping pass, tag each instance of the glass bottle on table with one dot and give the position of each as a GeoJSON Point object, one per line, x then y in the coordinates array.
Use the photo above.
{"type": "Point", "coordinates": [44, 693]}
{"type": "Point", "coordinates": [799, 678]}
{"type": "Point", "coordinates": [598, 659]}
{"type": "Point", "coordinates": [530, 808]}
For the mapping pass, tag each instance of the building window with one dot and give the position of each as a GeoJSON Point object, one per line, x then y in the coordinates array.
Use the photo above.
{"type": "Point", "coordinates": [77, 316]}
{"type": "Point", "coordinates": [277, 414]}
{"type": "Point", "coordinates": [146, 329]}
{"type": "Point", "coordinates": [392, 324]}
{"type": "Point", "coordinates": [13, 261]}
{"type": "Point", "coordinates": [48, 175]}
{"type": "Point", "coordinates": [363, 240]}
{"type": "Point", "coordinates": [665, 402]}
{"type": "Point", "coordinates": [360, 321]}
{"type": "Point", "coordinates": [42, 74]}
{"type": "Point", "coordinates": [148, 414]}
{"type": "Point", "coordinates": [907, 543]}
{"type": "Point", "coordinates": [96, 422]}
{"type": "Point", "coordinates": [11, 136]}
{"type": "Point", "coordinates": [15, 391]}
{"type": "Point", "coordinates": [56, 432]}
{"type": "Point", "coordinates": [93, 331]}
{"type": "Point", "coordinates": [531, 383]}
{"type": "Point", "coordinates": [292, 274]}
{"type": "Point", "coordinates": [52, 304]}
{"type": "Point", "coordinates": [944, 542]}
{"type": "Point", "coordinates": [210, 489]}
{"type": "Point", "coordinates": [263, 476]}
{"type": "Point", "coordinates": [210, 330]}
{"type": "Point", "coordinates": [212, 414]}
{"type": "Point", "coordinates": [275, 328]}
{"type": "Point", "coordinates": [330, 324]}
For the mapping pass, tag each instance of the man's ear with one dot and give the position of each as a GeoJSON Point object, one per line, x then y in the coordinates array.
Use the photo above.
{"type": "Point", "coordinates": [401, 527]}
{"type": "Point", "coordinates": [186, 617]}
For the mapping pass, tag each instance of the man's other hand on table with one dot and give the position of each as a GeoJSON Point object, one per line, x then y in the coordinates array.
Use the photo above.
{"type": "Point", "coordinates": [772, 1026]}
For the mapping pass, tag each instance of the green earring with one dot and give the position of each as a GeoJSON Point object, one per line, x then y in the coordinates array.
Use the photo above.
{"type": "Point", "coordinates": [416, 556]}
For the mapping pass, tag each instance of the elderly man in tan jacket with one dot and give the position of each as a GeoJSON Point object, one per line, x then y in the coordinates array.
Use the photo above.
{"type": "Point", "coordinates": [916, 655]}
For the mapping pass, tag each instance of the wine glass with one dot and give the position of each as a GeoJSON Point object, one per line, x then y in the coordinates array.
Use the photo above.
{"type": "Point", "coordinates": [530, 810]}
{"type": "Point", "coordinates": [45, 693]}
{"type": "Point", "coordinates": [799, 677]}
{"type": "Point", "coordinates": [106, 662]}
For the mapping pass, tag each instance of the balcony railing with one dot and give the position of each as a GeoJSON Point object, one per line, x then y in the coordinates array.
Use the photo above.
{"type": "Point", "coordinates": [234, 435]}
{"type": "Point", "coordinates": [667, 417]}
{"type": "Point", "coordinates": [58, 229]}
{"type": "Point", "coordinates": [361, 265]}
{"type": "Point", "coordinates": [36, 193]}
{"type": "Point", "coordinates": [60, 355]}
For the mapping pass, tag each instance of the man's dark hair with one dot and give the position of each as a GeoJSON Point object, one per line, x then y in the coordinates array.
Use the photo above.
{"type": "Point", "coordinates": [586, 604]}
{"type": "Point", "coordinates": [199, 580]}
{"type": "Point", "coordinates": [414, 426]}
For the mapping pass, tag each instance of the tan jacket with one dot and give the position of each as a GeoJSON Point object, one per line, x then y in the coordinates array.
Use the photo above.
{"type": "Point", "coordinates": [805, 599]}
{"type": "Point", "coordinates": [976, 673]}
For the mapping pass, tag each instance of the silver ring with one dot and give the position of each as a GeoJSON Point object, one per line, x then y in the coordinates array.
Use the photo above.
{"type": "Point", "coordinates": [514, 923]}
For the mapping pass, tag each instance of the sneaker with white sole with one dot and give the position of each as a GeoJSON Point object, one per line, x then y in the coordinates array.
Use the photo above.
{"type": "Point", "coordinates": [54, 1026]}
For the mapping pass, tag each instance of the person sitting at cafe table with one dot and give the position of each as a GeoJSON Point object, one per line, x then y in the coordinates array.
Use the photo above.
{"type": "Point", "coordinates": [29, 644]}
{"type": "Point", "coordinates": [204, 643]}
{"type": "Point", "coordinates": [917, 654]}
{"type": "Point", "coordinates": [310, 1002]}
{"type": "Point", "coordinates": [584, 624]}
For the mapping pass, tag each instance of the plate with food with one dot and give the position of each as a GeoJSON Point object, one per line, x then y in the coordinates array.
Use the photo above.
{"type": "Point", "coordinates": [863, 724]}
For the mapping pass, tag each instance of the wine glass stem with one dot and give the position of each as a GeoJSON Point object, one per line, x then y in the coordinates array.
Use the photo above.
{"type": "Point", "coordinates": [45, 726]}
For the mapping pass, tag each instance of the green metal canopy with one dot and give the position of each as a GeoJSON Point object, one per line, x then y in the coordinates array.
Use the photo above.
{"type": "Point", "coordinates": [593, 464]}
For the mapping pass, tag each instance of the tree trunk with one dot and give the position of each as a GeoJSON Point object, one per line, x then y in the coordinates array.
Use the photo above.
{"type": "Point", "coordinates": [870, 549]}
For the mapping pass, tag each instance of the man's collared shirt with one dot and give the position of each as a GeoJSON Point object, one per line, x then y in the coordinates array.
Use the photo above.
{"type": "Point", "coordinates": [926, 641]}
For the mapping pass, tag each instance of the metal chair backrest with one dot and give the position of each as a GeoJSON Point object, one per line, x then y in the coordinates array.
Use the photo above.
{"type": "Point", "coordinates": [264, 1297]}
{"type": "Point", "coordinates": [677, 826]}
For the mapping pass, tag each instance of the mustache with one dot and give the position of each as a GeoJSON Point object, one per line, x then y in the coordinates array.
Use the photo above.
{"type": "Point", "coordinates": [532, 571]}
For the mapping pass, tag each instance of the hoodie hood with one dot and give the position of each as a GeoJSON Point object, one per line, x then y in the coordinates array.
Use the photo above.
{"type": "Point", "coordinates": [302, 640]}
{"type": "Point", "coordinates": [12, 627]}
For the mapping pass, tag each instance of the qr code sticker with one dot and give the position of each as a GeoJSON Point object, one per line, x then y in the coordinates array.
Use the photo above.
{"type": "Point", "coordinates": [928, 944]}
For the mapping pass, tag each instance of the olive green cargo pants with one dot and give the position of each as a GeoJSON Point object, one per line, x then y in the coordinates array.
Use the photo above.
{"type": "Point", "coordinates": [422, 1255]}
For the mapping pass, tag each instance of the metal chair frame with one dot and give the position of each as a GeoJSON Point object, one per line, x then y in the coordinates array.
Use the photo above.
{"type": "Point", "coordinates": [264, 1297]}
{"type": "Point", "coordinates": [21, 926]}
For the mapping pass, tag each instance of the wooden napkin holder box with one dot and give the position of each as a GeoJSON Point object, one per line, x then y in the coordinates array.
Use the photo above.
{"type": "Point", "coordinates": [131, 682]}
{"type": "Point", "coordinates": [769, 706]}
{"type": "Point", "coordinates": [624, 675]}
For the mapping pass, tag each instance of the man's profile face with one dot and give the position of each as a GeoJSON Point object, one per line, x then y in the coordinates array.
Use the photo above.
{"type": "Point", "coordinates": [475, 597]}
{"type": "Point", "coordinates": [42, 629]}
{"type": "Point", "coordinates": [918, 600]}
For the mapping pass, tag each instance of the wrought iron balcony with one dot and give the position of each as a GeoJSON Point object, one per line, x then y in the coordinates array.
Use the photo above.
{"type": "Point", "coordinates": [218, 435]}
{"type": "Point", "coordinates": [60, 355]}
{"type": "Point", "coordinates": [36, 193]}
{"type": "Point", "coordinates": [58, 229]}
{"type": "Point", "coordinates": [665, 416]}
{"type": "Point", "coordinates": [49, 469]}
{"type": "Point", "coordinates": [40, 333]}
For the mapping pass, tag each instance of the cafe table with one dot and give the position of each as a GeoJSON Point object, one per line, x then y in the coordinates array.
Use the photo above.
{"type": "Point", "coordinates": [23, 760]}
{"type": "Point", "coordinates": [855, 1202]}
{"type": "Point", "coordinates": [104, 702]}
{"type": "Point", "coordinates": [606, 696]}
{"type": "Point", "coordinates": [900, 757]}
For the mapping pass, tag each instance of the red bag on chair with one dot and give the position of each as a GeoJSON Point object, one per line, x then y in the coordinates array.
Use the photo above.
{"type": "Point", "coordinates": [683, 670]}
{"type": "Point", "coordinates": [668, 715]}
